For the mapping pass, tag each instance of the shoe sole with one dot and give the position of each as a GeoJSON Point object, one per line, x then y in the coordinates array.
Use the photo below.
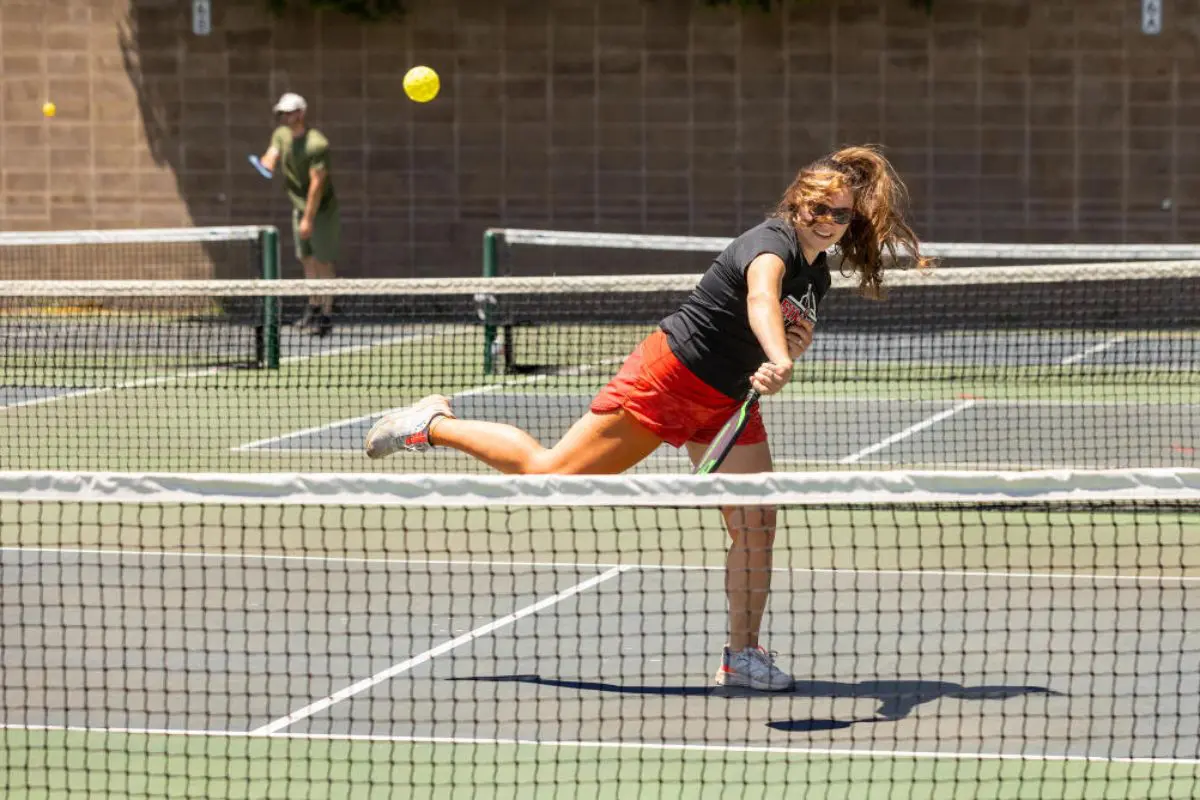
{"type": "Point", "coordinates": [436, 399]}
{"type": "Point", "coordinates": [734, 679]}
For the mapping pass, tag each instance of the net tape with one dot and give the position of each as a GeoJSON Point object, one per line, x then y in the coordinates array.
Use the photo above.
{"type": "Point", "coordinates": [134, 236]}
{"type": "Point", "coordinates": [967, 276]}
{"type": "Point", "coordinates": [713, 244]}
{"type": "Point", "coordinates": [659, 491]}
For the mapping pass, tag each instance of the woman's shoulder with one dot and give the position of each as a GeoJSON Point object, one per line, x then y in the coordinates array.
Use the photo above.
{"type": "Point", "coordinates": [772, 235]}
{"type": "Point", "coordinates": [772, 232]}
{"type": "Point", "coordinates": [769, 226]}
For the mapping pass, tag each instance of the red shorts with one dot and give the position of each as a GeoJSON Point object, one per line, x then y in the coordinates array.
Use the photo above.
{"type": "Point", "coordinates": [668, 398]}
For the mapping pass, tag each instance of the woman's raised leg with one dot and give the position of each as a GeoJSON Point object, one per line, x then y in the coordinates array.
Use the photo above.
{"type": "Point", "coordinates": [596, 444]}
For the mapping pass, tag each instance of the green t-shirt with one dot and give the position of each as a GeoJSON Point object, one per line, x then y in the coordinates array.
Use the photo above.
{"type": "Point", "coordinates": [298, 155]}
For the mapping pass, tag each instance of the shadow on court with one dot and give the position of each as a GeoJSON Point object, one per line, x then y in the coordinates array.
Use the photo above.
{"type": "Point", "coordinates": [897, 699]}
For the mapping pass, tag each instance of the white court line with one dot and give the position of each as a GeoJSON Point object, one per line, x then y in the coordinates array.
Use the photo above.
{"type": "Point", "coordinates": [582, 369]}
{"type": "Point", "coordinates": [403, 338]}
{"type": "Point", "coordinates": [576, 565]}
{"type": "Point", "coordinates": [1135, 403]}
{"type": "Point", "coordinates": [909, 431]}
{"type": "Point", "coordinates": [838, 752]}
{"type": "Point", "coordinates": [404, 666]}
{"type": "Point", "coordinates": [963, 406]}
{"type": "Point", "coordinates": [156, 380]}
{"type": "Point", "coordinates": [296, 434]}
{"type": "Point", "coordinates": [151, 381]}
{"type": "Point", "coordinates": [1099, 348]}
{"type": "Point", "coordinates": [981, 401]}
{"type": "Point", "coordinates": [804, 400]}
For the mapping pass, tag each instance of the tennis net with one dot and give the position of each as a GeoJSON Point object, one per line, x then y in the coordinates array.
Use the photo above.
{"type": "Point", "coordinates": [1078, 365]}
{"type": "Point", "coordinates": [526, 252]}
{"type": "Point", "coordinates": [949, 635]}
{"type": "Point", "coordinates": [69, 328]}
{"type": "Point", "coordinates": [243, 252]}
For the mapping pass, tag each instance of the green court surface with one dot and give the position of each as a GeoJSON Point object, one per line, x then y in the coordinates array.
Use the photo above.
{"type": "Point", "coordinates": [1000, 640]}
{"type": "Point", "coordinates": [1109, 540]}
{"type": "Point", "coordinates": [150, 765]}
{"type": "Point", "coordinates": [1032, 652]}
{"type": "Point", "coordinates": [1128, 404]}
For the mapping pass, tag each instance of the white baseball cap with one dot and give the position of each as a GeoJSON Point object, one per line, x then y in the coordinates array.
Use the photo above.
{"type": "Point", "coordinates": [290, 102]}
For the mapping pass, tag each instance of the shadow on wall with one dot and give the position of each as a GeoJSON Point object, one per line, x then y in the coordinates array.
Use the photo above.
{"type": "Point", "coordinates": [551, 116]}
{"type": "Point", "coordinates": [205, 104]}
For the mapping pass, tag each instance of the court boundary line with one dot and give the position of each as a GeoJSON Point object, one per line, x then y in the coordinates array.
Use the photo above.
{"type": "Point", "coordinates": [961, 406]}
{"type": "Point", "coordinates": [358, 348]}
{"type": "Point", "coordinates": [832, 752]}
{"type": "Point", "coordinates": [799, 398]}
{"type": "Point", "coordinates": [409, 664]}
{"type": "Point", "coordinates": [1075, 358]}
{"type": "Point", "coordinates": [156, 380]}
{"type": "Point", "coordinates": [916, 427]}
{"type": "Point", "coordinates": [486, 388]}
{"type": "Point", "coordinates": [566, 565]}
{"type": "Point", "coordinates": [261, 444]}
{"type": "Point", "coordinates": [403, 339]}
{"type": "Point", "coordinates": [92, 391]}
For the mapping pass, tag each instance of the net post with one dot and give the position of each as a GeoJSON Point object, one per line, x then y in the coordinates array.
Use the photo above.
{"type": "Point", "coordinates": [491, 268]}
{"type": "Point", "coordinates": [271, 311]}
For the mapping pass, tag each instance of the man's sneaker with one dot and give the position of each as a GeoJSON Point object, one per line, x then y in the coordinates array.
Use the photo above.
{"type": "Point", "coordinates": [407, 428]}
{"type": "Point", "coordinates": [754, 668]}
{"type": "Point", "coordinates": [321, 325]}
{"type": "Point", "coordinates": [306, 320]}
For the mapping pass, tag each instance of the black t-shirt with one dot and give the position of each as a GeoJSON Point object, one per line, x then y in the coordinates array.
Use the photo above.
{"type": "Point", "coordinates": [710, 333]}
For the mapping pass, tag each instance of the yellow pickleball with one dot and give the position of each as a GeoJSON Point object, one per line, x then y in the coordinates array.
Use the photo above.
{"type": "Point", "coordinates": [49, 109]}
{"type": "Point", "coordinates": [421, 84]}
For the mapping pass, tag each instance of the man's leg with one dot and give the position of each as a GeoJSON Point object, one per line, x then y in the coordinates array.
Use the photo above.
{"type": "Point", "coordinates": [315, 269]}
{"type": "Point", "coordinates": [324, 245]}
{"type": "Point", "coordinates": [304, 255]}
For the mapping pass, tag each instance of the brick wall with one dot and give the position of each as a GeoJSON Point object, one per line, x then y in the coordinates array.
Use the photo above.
{"type": "Point", "coordinates": [1012, 120]}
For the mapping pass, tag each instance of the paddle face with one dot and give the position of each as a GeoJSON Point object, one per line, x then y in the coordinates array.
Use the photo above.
{"type": "Point", "coordinates": [726, 437]}
{"type": "Point", "coordinates": [258, 165]}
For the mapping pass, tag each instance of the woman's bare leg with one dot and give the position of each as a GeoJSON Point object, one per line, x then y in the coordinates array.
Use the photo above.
{"type": "Point", "coordinates": [597, 444]}
{"type": "Point", "coordinates": [752, 534]}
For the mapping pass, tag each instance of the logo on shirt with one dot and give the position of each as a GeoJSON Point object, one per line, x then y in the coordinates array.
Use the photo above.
{"type": "Point", "coordinates": [794, 311]}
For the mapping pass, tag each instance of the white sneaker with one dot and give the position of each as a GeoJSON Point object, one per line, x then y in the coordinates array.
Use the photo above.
{"type": "Point", "coordinates": [407, 428]}
{"type": "Point", "coordinates": [753, 667]}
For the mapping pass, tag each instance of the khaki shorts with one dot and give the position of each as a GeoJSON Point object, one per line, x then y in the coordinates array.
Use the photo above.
{"type": "Point", "coordinates": [326, 238]}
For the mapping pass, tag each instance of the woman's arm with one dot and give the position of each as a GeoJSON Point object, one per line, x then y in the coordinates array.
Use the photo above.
{"type": "Point", "coordinates": [764, 282]}
{"type": "Point", "coordinates": [764, 287]}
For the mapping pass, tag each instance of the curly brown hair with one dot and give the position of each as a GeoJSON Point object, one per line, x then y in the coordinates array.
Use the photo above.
{"type": "Point", "coordinates": [878, 229]}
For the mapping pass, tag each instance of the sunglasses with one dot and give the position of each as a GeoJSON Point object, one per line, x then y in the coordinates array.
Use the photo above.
{"type": "Point", "coordinates": [840, 216]}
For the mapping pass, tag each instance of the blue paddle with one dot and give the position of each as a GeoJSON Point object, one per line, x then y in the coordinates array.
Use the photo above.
{"type": "Point", "coordinates": [258, 165]}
